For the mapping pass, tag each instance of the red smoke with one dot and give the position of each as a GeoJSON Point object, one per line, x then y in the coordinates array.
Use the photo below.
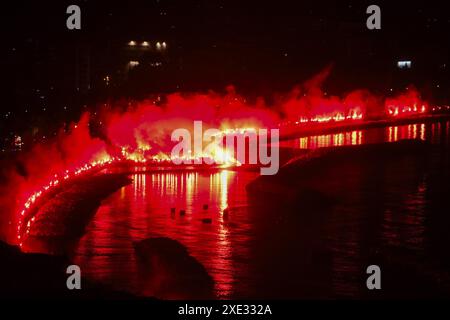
{"type": "Point", "coordinates": [149, 127]}
{"type": "Point", "coordinates": [37, 167]}
{"type": "Point", "coordinates": [309, 102]}
{"type": "Point", "coordinates": [146, 129]}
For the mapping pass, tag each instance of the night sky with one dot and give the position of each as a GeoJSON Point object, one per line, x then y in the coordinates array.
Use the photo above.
{"type": "Point", "coordinates": [261, 47]}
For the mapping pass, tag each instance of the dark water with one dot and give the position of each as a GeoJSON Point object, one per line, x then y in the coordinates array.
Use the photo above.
{"type": "Point", "coordinates": [395, 216]}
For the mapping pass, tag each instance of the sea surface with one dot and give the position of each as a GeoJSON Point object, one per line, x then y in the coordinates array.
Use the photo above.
{"type": "Point", "coordinates": [397, 217]}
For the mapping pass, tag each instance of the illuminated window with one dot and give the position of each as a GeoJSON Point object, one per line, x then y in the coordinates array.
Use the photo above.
{"type": "Point", "coordinates": [133, 64]}
{"type": "Point", "coordinates": [404, 64]}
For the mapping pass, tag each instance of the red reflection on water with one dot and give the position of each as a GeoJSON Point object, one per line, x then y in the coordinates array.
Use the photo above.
{"type": "Point", "coordinates": [143, 209]}
{"type": "Point", "coordinates": [404, 218]}
{"type": "Point", "coordinates": [332, 140]}
{"type": "Point", "coordinates": [431, 132]}
{"type": "Point", "coordinates": [411, 131]}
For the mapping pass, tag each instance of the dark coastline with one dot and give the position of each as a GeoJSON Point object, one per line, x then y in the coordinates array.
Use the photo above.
{"type": "Point", "coordinates": [42, 276]}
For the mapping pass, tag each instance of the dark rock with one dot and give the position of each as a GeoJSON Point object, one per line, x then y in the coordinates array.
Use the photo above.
{"type": "Point", "coordinates": [167, 271]}
{"type": "Point", "coordinates": [43, 276]}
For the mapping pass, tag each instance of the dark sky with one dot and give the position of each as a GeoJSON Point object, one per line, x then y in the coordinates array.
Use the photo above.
{"type": "Point", "coordinates": [250, 43]}
{"type": "Point", "coordinates": [220, 19]}
{"type": "Point", "coordinates": [261, 47]}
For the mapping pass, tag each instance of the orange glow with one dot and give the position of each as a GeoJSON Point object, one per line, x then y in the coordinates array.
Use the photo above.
{"type": "Point", "coordinates": [332, 140]}
{"type": "Point", "coordinates": [220, 155]}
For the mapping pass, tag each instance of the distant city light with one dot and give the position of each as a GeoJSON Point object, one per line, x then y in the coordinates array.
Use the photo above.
{"type": "Point", "coordinates": [404, 64]}
{"type": "Point", "coordinates": [158, 46]}
{"type": "Point", "coordinates": [18, 143]}
{"type": "Point", "coordinates": [133, 63]}
{"type": "Point", "coordinates": [132, 43]}
{"type": "Point", "coordinates": [145, 44]}
{"type": "Point", "coordinates": [106, 79]}
{"type": "Point", "coordinates": [164, 45]}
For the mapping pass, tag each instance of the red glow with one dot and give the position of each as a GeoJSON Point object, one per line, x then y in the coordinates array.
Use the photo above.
{"type": "Point", "coordinates": [22, 229]}
{"type": "Point", "coordinates": [141, 133]}
{"type": "Point", "coordinates": [406, 104]}
{"type": "Point", "coordinates": [310, 104]}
